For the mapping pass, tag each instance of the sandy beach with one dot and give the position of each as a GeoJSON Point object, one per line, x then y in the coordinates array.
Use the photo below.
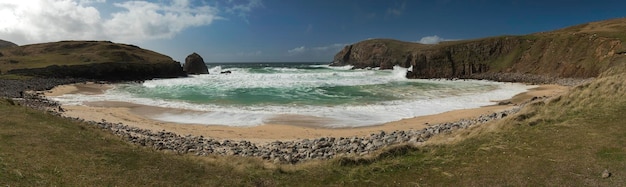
{"type": "Point", "coordinates": [280, 129]}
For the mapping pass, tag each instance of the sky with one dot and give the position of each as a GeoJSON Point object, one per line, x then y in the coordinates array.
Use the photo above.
{"type": "Point", "coordinates": [285, 30]}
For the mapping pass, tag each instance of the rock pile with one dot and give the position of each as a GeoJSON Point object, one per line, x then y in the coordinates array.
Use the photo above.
{"type": "Point", "coordinates": [14, 88]}
{"type": "Point", "coordinates": [288, 151]}
{"type": "Point", "coordinates": [530, 78]}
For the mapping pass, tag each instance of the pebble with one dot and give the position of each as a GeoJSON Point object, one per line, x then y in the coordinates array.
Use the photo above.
{"type": "Point", "coordinates": [606, 174]}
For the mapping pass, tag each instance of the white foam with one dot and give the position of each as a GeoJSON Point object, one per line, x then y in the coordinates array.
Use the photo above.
{"type": "Point", "coordinates": [288, 78]}
{"type": "Point", "coordinates": [445, 96]}
{"type": "Point", "coordinates": [399, 73]}
{"type": "Point", "coordinates": [346, 67]}
{"type": "Point", "coordinates": [341, 116]}
{"type": "Point", "coordinates": [215, 70]}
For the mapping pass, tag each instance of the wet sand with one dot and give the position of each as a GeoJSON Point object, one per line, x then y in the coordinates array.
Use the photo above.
{"type": "Point", "coordinates": [286, 127]}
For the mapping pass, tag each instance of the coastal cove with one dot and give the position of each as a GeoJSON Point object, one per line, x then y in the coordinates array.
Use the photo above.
{"type": "Point", "coordinates": [312, 93]}
{"type": "Point", "coordinates": [138, 115]}
{"type": "Point", "coordinates": [301, 94]}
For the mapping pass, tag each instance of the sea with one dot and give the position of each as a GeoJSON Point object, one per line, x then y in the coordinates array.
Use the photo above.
{"type": "Point", "coordinates": [316, 94]}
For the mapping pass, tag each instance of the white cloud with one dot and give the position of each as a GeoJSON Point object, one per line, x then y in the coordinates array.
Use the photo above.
{"type": "Point", "coordinates": [83, 2]}
{"type": "Point", "coordinates": [397, 10]}
{"type": "Point", "coordinates": [255, 53]}
{"type": "Point", "coordinates": [432, 40]}
{"type": "Point", "coordinates": [33, 21]}
{"type": "Point", "coordinates": [146, 20]}
{"type": "Point", "coordinates": [331, 47]}
{"type": "Point", "coordinates": [243, 9]}
{"type": "Point", "coordinates": [297, 50]}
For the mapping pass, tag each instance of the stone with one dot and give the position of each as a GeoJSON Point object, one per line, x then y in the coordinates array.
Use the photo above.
{"type": "Point", "coordinates": [606, 174]}
{"type": "Point", "coordinates": [194, 64]}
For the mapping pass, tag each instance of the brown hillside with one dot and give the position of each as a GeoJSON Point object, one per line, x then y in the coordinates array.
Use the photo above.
{"type": "Point", "coordinates": [580, 51]}
{"type": "Point", "coordinates": [88, 59]}
{"type": "Point", "coordinates": [4, 44]}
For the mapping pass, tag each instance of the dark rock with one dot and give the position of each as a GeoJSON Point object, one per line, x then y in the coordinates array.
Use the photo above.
{"type": "Point", "coordinates": [506, 102]}
{"type": "Point", "coordinates": [194, 64]}
{"type": "Point", "coordinates": [226, 72]}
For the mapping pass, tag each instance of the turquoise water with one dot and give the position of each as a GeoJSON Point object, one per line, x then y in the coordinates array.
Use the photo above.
{"type": "Point", "coordinates": [254, 94]}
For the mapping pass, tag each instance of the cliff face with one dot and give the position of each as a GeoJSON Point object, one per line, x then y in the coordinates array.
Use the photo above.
{"type": "Point", "coordinates": [580, 51]}
{"type": "Point", "coordinates": [99, 60]}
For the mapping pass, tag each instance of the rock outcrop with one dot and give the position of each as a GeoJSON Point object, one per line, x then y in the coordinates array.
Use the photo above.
{"type": "Point", "coordinates": [194, 64]}
{"type": "Point", "coordinates": [577, 52]}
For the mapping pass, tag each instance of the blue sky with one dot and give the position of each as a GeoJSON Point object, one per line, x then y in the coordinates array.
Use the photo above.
{"type": "Point", "coordinates": [285, 30]}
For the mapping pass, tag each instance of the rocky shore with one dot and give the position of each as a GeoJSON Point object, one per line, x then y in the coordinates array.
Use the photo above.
{"type": "Point", "coordinates": [279, 151]}
{"type": "Point", "coordinates": [13, 88]}
{"type": "Point", "coordinates": [530, 78]}
{"type": "Point", "coordinates": [288, 151]}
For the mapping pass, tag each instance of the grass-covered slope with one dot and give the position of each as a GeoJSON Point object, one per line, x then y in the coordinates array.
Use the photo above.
{"type": "Point", "coordinates": [39, 149]}
{"type": "Point", "coordinates": [87, 59]}
{"type": "Point", "coordinates": [567, 141]}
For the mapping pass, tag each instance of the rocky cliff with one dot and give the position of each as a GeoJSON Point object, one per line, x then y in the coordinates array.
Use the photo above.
{"type": "Point", "coordinates": [578, 52]}
{"type": "Point", "coordinates": [100, 60]}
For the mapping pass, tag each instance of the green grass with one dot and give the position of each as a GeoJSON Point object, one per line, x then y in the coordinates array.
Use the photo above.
{"type": "Point", "coordinates": [38, 149]}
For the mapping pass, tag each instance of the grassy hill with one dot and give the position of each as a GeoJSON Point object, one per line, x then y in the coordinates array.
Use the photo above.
{"type": "Point", "coordinates": [87, 59]}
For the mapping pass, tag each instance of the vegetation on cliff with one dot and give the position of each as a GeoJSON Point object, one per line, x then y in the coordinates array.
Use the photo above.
{"type": "Point", "coordinates": [100, 60]}
{"type": "Point", "coordinates": [580, 51]}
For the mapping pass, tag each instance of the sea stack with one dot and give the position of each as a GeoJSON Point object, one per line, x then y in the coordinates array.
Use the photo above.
{"type": "Point", "coordinates": [194, 64]}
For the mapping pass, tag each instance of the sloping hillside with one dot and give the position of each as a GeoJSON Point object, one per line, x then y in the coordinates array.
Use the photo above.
{"type": "Point", "coordinates": [4, 44]}
{"type": "Point", "coordinates": [87, 59]}
{"type": "Point", "coordinates": [580, 51]}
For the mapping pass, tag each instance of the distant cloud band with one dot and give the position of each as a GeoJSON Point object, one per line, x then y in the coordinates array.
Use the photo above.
{"type": "Point", "coordinates": [432, 40]}
{"type": "Point", "coordinates": [52, 20]}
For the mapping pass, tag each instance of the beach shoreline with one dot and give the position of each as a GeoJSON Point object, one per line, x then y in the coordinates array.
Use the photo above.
{"type": "Point", "coordinates": [282, 129]}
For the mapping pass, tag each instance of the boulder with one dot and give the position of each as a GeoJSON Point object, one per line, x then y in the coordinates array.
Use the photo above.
{"type": "Point", "coordinates": [194, 64]}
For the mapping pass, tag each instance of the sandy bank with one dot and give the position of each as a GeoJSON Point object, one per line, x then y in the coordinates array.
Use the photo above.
{"type": "Point", "coordinates": [280, 129]}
